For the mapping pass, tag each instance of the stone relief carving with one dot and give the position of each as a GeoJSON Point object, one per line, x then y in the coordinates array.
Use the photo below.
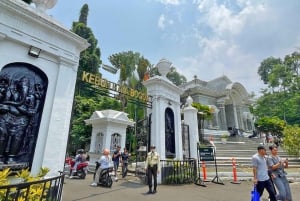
{"type": "Point", "coordinates": [22, 93]}
{"type": "Point", "coordinates": [169, 134]}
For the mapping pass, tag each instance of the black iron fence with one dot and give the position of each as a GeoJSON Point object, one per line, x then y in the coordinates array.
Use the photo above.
{"type": "Point", "coordinates": [42, 190]}
{"type": "Point", "coordinates": [178, 171]}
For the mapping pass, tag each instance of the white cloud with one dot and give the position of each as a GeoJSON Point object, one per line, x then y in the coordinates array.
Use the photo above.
{"type": "Point", "coordinates": [171, 2]}
{"type": "Point", "coordinates": [162, 21]}
{"type": "Point", "coordinates": [236, 38]}
{"type": "Point", "coordinates": [207, 38]}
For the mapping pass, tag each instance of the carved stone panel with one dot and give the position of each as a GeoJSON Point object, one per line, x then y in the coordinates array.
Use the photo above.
{"type": "Point", "coordinates": [169, 134]}
{"type": "Point", "coordinates": [23, 89]}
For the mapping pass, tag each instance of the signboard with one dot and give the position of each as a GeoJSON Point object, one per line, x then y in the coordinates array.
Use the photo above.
{"type": "Point", "coordinates": [206, 154]}
{"type": "Point", "coordinates": [97, 81]}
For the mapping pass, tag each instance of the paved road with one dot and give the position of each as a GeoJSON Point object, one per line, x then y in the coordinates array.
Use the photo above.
{"type": "Point", "coordinates": [132, 189]}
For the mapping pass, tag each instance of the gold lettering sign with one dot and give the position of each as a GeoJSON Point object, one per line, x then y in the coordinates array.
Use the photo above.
{"type": "Point", "coordinates": [97, 81]}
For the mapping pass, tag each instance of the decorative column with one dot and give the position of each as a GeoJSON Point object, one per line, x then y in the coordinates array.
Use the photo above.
{"type": "Point", "coordinates": [165, 114]}
{"type": "Point", "coordinates": [235, 116]}
{"type": "Point", "coordinates": [216, 114]}
{"type": "Point", "coordinates": [190, 118]}
{"type": "Point", "coordinates": [221, 106]}
{"type": "Point", "coordinates": [31, 39]}
{"type": "Point", "coordinates": [239, 117]}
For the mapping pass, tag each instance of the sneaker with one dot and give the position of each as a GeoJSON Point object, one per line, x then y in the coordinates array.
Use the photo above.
{"type": "Point", "coordinates": [93, 184]}
{"type": "Point", "coordinates": [116, 179]}
{"type": "Point", "coordinates": [71, 177]}
{"type": "Point", "coordinates": [154, 191]}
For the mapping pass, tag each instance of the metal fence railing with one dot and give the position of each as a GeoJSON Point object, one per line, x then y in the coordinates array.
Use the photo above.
{"type": "Point", "coordinates": [178, 171]}
{"type": "Point", "coordinates": [42, 190]}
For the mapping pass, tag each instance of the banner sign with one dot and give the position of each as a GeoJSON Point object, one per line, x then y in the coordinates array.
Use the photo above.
{"type": "Point", "coordinates": [96, 80]}
{"type": "Point", "coordinates": [206, 154]}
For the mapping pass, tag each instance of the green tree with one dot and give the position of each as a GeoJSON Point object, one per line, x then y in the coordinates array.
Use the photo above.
{"type": "Point", "coordinates": [132, 67]}
{"type": "Point", "coordinates": [266, 67]}
{"type": "Point", "coordinates": [204, 113]}
{"type": "Point", "coordinates": [281, 98]}
{"type": "Point", "coordinates": [281, 74]}
{"type": "Point", "coordinates": [273, 125]}
{"type": "Point", "coordinates": [291, 140]}
{"type": "Point", "coordinates": [86, 99]}
{"type": "Point", "coordinates": [293, 61]}
{"type": "Point", "coordinates": [90, 58]}
{"type": "Point", "coordinates": [175, 77]}
{"type": "Point", "coordinates": [83, 109]}
{"type": "Point", "coordinates": [131, 64]}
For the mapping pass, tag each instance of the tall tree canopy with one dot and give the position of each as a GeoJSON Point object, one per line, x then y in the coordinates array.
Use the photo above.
{"type": "Point", "coordinates": [281, 74]}
{"type": "Point", "coordinates": [87, 99]}
{"type": "Point", "coordinates": [132, 67]}
{"type": "Point", "coordinates": [278, 108]}
{"type": "Point", "coordinates": [89, 58]}
{"type": "Point", "coordinates": [175, 77]}
{"type": "Point", "coordinates": [282, 97]}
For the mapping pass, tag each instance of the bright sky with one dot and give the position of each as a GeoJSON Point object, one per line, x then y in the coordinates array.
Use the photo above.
{"type": "Point", "coordinates": [207, 38]}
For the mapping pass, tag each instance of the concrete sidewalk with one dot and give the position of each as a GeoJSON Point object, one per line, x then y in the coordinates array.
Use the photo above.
{"type": "Point", "coordinates": [132, 189]}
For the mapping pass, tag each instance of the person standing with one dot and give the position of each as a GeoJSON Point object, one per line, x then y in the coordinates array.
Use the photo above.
{"type": "Point", "coordinates": [116, 160]}
{"type": "Point", "coordinates": [260, 173]}
{"type": "Point", "coordinates": [263, 138]}
{"type": "Point", "coordinates": [277, 165]}
{"type": "Point", "coordinates": [152, 167]}
{"type": "Point", "coordinates": [124, 161]}
{"type": "Point", "coordinates": [105, 162]}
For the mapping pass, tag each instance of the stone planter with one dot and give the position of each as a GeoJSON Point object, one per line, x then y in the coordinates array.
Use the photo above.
{"type": "Point", "coordinates": [44, 4]}
{"type": "Point", "coordinates": [224, 140]}
{"type": "Point", "coordinates": [163, 67]}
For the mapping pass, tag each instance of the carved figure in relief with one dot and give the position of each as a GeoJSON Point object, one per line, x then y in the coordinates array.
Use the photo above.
{"type": "Point", "coordinates": [18, 105]}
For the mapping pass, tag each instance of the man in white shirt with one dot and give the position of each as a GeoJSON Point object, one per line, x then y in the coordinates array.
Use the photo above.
{"type": "Point", "coordinates": [105, 162]}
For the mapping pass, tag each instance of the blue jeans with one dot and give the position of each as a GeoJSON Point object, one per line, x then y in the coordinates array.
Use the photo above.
{"type": "Point", "coordinates": [261, 185]}
{"type": "Point", "coordinates": [283, 187]}
{"type": "Point", "coordinates": [116, 166]}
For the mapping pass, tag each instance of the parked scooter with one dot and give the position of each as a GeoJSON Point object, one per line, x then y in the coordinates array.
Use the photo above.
{"type": "Point", "coordinates": [81, 170]}
{"type": "Point", "coordinates": [105, 176]}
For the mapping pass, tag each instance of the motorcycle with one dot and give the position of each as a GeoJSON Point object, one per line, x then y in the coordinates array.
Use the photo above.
{"type": "Point", "coordinates": [105, 176]}
{"type": "Point", "coordinates": [81, 170]}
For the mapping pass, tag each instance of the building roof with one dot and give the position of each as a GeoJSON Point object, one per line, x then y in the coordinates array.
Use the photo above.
{"type": "Point", "coordinates": [109, 116]}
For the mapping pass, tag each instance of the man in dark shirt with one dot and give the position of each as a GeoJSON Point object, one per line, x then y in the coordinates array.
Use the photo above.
{"type": "Point", "coordinates": [124, 160]}
{"type": "Point", "coordinates": [116, 160]}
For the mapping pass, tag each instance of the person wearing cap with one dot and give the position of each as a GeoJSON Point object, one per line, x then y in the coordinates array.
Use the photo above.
{"type": "Point", "coordinates": [116, 159]}
{"type": "Point", "coordinates": [277, 165]}
{"type": "Point", "coordinates": [261, 177]}
{"type": "Point", "coordinates": [105, 162]}
{"type": "Point", "coordinates": [152, 167]}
